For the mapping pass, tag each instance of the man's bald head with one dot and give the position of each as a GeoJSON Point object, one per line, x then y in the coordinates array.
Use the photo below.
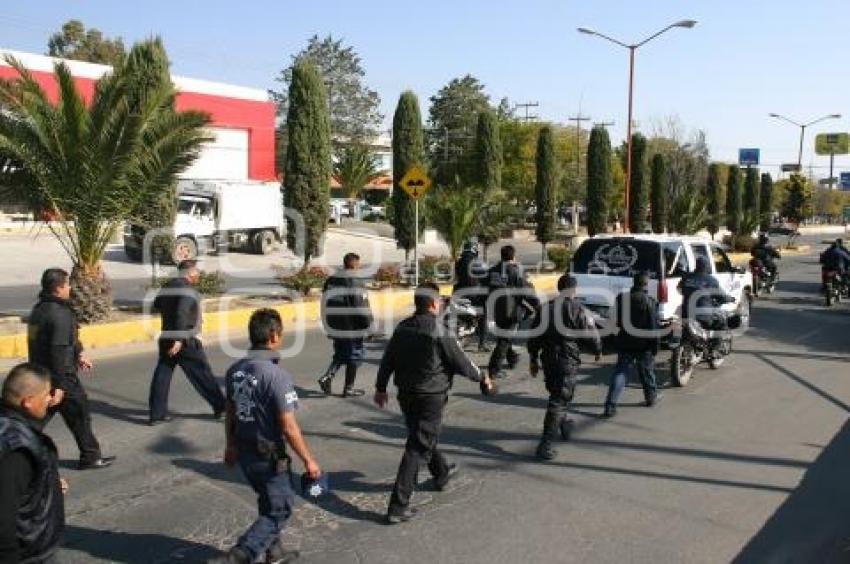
{"type": "Point", "coordinates": [27, 387]}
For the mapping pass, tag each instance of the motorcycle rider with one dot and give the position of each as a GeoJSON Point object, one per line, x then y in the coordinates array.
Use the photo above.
{"type": "Point", "coordinates": [836, 258]}
{"type": "Point", "coordinates": [470, 278]}
{"type": "Point", "coordinates": [700, 282]}
{"type": "Point", "coordinates": [766, 253]}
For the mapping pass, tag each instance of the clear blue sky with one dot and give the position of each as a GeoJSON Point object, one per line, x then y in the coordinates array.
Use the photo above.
{"type": "Point", "coordinates": [744, 59]}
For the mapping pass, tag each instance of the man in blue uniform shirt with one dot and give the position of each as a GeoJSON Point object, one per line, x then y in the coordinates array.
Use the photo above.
{"type": "Point", "coordinates": [260, 421]}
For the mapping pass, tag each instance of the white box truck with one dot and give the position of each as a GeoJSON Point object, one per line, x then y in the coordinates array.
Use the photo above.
{"type": "Point", "coordinates": [220, 215]}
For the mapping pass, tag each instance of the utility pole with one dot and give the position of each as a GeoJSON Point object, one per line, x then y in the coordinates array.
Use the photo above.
{"type": "Point", "coordinates": [603, 123]}
{"type": "Point", "coordinates": [528, 117]}
{"type": "Point", "coordinates": [578, 119]}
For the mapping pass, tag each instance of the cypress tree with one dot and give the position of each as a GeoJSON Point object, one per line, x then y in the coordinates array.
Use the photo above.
{"type": "Point", "coordinates": [658, 194]}
{"type": "Point", "coordinates": [715, 216]}
{"type": "Point", "coordinates": [765, 195]}
{"type": "Point", "coordinates": [488, 153]}
{"type": "Point", "coordinates": [307, 169]}
{"type": "Point", "coordinates": [598, 180]}
{"type": "Point", "coordinates": [751, 196]}
{"type": "Point", "coordinates": [408, 151]}
{"type": "Point", "coordinates": [733, 200]}
{"type": "Point", "coordinates": [544, 189]}
{"type": "Point", "coordinates": [639, 193]}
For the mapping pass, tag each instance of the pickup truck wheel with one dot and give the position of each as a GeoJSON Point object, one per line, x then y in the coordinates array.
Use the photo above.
{"type": "Point", "coordinates": [264, 242]}
{"type": "Point", "coordinates": [681, 365]}
{"type": "Point", "coordinates": [133, 254]}
{"type": "Point", "coordinates": [185, 249]}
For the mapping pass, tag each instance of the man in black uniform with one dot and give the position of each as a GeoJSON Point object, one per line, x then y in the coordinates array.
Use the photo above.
{"type": "Point", "coordinates": [637, 343]}
{"type": "Point", "coordinates": [766, 253]}
{"type": "Point", "coordinates": [511, 300]}
{"type": "Point", "coordinates": [423, 357]}
{"type": "Point", "coordinates": [699, 289]}
{"type": "Point", "coordinates": [560, 325]}
{"type": "Point", "coordinates": [470, 276]}
{"type": "Point", "coordinates": [32, 511]}
{"type": "Point", "coordinates": [179, 305]}
{"type": "Point", "coordinates": [347, 319]}
{"type": "Point", "coordinates": [53, 342]}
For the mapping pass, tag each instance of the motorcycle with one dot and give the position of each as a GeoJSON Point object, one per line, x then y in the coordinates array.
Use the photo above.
{"type": "Point", "coordinates": [835, 286]}
{"type": "Point", "coordinates": [707, 338]}
{"type": "Point", "coordinates": [763, 280]}
{"type": "Point", "coordinates": [461, 318]}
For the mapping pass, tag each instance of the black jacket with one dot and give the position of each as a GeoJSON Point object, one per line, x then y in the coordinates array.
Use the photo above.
{"type": "Point", "coordinates": [179, 305]}
{"type": "Point", "coordinates": [53, 337]}
{"type": "Point", "coordinates": [470, 273]}
{"type": "Point", "coordinates": [641, 310]}
{"type": "Point", "coordinates": [765, 253]}
{"type": "Point", "coordinates": [555, 340]}
{"type": "Point", "coordinates": [424, 357]}
{"type": "Point", "coordinates": [345, 305]}
{"type": "Point", "coordinates": [705, 285]}
{"type": "Point", "coordinates": [835, 258]}
{"type": "Point", "coordinates": [514, 295]}
{"type": "Point", "coordinates": [32, 511]}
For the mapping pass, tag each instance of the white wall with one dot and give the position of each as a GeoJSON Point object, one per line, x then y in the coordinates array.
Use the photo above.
{"type": "Point", "coordinates": [224, 158]}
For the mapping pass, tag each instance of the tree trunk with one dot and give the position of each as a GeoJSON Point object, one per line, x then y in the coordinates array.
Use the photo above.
{"type": "Point", "coordinates": [91, 294]}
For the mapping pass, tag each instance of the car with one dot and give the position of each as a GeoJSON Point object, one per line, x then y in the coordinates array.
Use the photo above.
{"type": "Point", "coordinates": [604, 266]}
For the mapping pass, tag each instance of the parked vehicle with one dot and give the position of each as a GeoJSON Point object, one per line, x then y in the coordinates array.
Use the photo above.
{"type": "Point", "coordinates": [707, 338]}
{"type": "Point", "coordinates": [604, 266]}
{"type": "Point", "coordinates": [220, 215]}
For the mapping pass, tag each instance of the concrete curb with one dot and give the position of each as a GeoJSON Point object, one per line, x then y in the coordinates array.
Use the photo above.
{"type": "Point", "coordinates": [743, 258]}
{"type": "Point", "coordinates": [361, 234]}
{"type": "Point", "coordinates": [224, 323]}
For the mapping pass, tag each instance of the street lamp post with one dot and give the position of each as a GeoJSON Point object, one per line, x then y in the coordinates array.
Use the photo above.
{"type": "Point", "coordinates": [632, 48]}
{"type": "Point", "coordinates": [803, 127]}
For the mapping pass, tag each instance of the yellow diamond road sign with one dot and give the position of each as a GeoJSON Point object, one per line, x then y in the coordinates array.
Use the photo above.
{"type": "Point", "coordinates": [415, 182]}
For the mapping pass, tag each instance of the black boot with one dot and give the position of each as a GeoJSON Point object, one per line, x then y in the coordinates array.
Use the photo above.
{"type": "Point", "coordinates": [327, 378]}
{"type": "Point", "coordinates": [545, 450]}
{"type": "Point", "coordinates": [550, 429]}
{"type": "Point", "coordinates": [351, 375]}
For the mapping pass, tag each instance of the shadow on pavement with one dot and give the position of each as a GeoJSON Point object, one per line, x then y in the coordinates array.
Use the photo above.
{"type": "Point", "coordinates": [133, 548]}
{"type": "Point", "coordinates": [813, 525]}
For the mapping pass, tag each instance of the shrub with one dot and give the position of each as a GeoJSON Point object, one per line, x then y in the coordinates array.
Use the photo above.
{"type": "Point", "coordinates": [560, 256]}
{"type": "Point", "coordinates": [388, 275]}
{"type": "Point", "coordinates": [304, 280]}
{"type": "Point", "coordinates": [431, 269]}
{"type": "Point", "coordinates": [742, 243]}
{"type": "Point", "coordinates": [210, 283]}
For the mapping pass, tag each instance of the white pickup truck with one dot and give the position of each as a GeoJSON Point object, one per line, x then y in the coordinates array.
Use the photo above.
{"type": "Point", "coordinates": [605, 264]}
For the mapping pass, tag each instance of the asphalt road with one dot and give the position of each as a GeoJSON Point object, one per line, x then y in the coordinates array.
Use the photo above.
{"type": "Point", "coordinates": [747, 464]}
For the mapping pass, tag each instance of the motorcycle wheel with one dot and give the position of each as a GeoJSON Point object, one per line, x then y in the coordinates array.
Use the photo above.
{"type": "Point", "coordinates": [682, 365]}
{"type": "Point", "coordinates": [828, 295]}
{"type": "Point", "coordinates": [719, 356]}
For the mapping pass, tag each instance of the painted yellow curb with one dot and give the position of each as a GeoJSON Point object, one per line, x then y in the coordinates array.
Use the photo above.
{"type": "Point", "coordinates": [385, 304]}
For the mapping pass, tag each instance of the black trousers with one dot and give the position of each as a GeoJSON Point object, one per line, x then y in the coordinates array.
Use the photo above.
{"type": "Point", "coordinates": [560, 378]}
{"type": "Point", "coordinates": [193, 360]}
{"type": "Point", "coordinates": [503, 349]}
{"type": "Point", "coordinates": [76, 412]}
{"type": "Point", "coordinates": [423, 415]}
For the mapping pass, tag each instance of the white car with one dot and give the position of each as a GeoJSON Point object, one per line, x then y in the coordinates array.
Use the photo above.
{"type": "Point", "coordinates": [605, 264]}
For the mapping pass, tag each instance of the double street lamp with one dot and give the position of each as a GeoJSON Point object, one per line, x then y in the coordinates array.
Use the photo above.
{"type": "Point", "coordinates": [632, 48]}
{"type": "Point", "coordinates": [803, 127]}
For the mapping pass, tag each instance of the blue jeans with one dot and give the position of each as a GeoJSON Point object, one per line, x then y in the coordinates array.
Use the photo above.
{"type": "Point", "coordinates": [645, 364]}
{"type": "Point", "coordinates": [274, 502]}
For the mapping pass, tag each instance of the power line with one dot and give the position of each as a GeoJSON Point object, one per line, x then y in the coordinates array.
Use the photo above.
{"type": "Point", "coordinates": [526, 105]}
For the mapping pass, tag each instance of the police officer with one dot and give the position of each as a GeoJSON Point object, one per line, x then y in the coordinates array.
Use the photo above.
{"type": "Point", "coordinates": [698, 289]}
{"type": "Point", "coordinates": [53, 342]}
{"type": "Point", "coordinates": [766, 253]}
{"type": "Point", "coordinates": [32, 511]}
{"type": "Point", "coordinates": [637, 343]}
{"type": "Point", "coordinates": [470, 276]}
{"type": "Point", "coordinates": [179, 306]}
{"type": "Point", "coordinates": [347, 319]}
{"type": "Point", "coordinates": [836, 257]}
{"type": "Point", "coordinates": [511, 300]}
{"type": "Point", "coordinates": [260, 422]}
{"type": "Point", "coordinates": [559, 327]}
{"type": "Point", "coordinates": [423, 357]}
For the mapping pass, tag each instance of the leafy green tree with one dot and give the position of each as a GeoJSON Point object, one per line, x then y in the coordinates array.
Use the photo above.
{"type": "Point", "coordinates": [100, 165]}
{"type": "Point", "coordinates": [547, 182]}
{"type": "Point", "coordinates": [354, 108]}
{"type": "Point", "coordinates": [798, 202]}
{"type": "Point", "coordinates": [519, 147]}
{"type": "Point", "coordinates": [751, 217]}
{"type": "Point", "coordinates": [713, 204]}
{"type": "Point", "coordinates": [733, 201]}
{"type": "Point", "coordinates": [638, 189]}
{"type": "Point", "coordinates": [598, 180]}
{"type": "Point", "coordinates": [76, 42]}
{"type": "Point", "coordinates": [452, 212]}
{"type": "Point", "coordinates": [688, 212]}
{"type": "Point", "coordinates": [452, 123]}
{"type": "Point", "coordinates": [354, 168]}
{"type": "Point", "coordinates": [494, 214]}
{"type": "Point", "coordinates": [408, 151]}
{"type": "Point", "coordinates": [658, 194]}
{"type": "Point", "coordinates": [307, 170]}
{"type": "Point", "coordinates": [488, 152]}
{"type": "Point", "coordinates": [765, 200]}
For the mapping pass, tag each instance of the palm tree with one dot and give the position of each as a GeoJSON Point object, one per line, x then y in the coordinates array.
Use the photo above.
{"type": "Point", "coordinates": [454, 213]}
{"type": "Point", "coordinates": [99, 164]}
{"type": "Point", "coordinates": [354, 168]}
{"type": "Point", "coordinates": [688, 213]}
